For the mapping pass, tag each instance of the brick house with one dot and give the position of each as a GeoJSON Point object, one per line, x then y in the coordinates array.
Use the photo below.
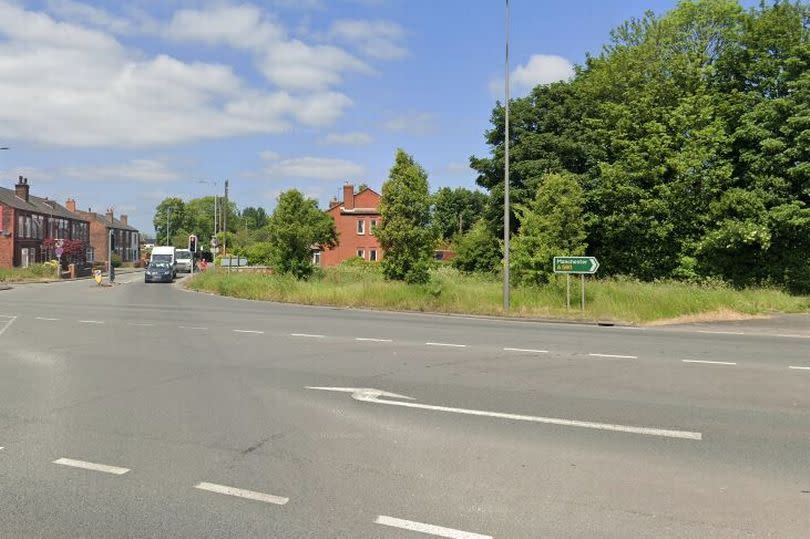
{"type": "Point", "coordinates": [355, 218]}
{"type": "Point", "coordinates": [126, 243]}
{"type": "Point", "coordinates": [26, 221]}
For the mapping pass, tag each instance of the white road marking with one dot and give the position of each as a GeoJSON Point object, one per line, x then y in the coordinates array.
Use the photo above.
{"type": "Point", "coordinates": [370, 339]}
{"type": "Point", "coordinates": [721, 332]}
{"type": "Point", "coordinates": [793, 335]}
{"type": "Point", "coordinates": [7, 324]}
{"type": "Point", "coordinates": [447, 344]}
{"type": "Point", "coordinates": [192, 327]}
{"type": "Point", "coordinates": [430, 529]}
{"type": "Point", "coordinates": [248, 331]}
{"type": "Point", "coordinates": [796, 367]}
{"type": "Point", "coordinates": [117, 470]}
{"type": "Point", "coordinates": [373, 396]}
{"type": "Point", "coordinates": [90, 322]}
{"type": "Point", "coordinates": [242, 493]}
{"type": "Point", "coordinates": [614, 356]}
{"type": "Point", "coordinates": [47, 319]}
{"type": "Point", "coordinates": [708, 362]}
{"type": "Point", "coordinates": [529, 350]}
{"type": "Point", "coordinates": [310, 335]}
{"type": "Point", "coordinates": [140, 324]}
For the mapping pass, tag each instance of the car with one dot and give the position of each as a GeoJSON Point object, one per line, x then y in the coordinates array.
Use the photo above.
{"type": "Point", "coordinates": [159, 271]}
{"type": "Point", "coordinates": [183, 260]}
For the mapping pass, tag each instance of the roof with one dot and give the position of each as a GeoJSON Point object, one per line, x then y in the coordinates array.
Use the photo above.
{"type": "Point", "coordinates": [103, 219]}
{"type": "Point", "coordinates": [36, 204]}
{"type": "Point", "coordinates": [359, 211]}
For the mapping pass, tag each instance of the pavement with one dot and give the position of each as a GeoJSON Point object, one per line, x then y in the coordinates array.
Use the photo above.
{"type": "Point", "coordinates": [147, 410]}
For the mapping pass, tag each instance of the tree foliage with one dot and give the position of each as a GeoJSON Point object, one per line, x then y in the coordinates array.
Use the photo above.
{"type": "Point", "coordinates": [690, 133]}
{"type": "Point", "coordinates": [405, 233]}
{"type": "Point", "coordinates": [170, 216]}
{"type": "Point", "coordinates": [551, 225]}
{"type": "Point", "coordinates": [294, 228]}
{"type": "Point", "coordinates": [478, 250]}
{"type": "Point", "coordinates": [456, 210]}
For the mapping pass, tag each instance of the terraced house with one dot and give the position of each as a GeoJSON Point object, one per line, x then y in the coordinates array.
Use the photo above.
{"type": "Point", "coordinates": [125, 238]}
{"type": "Point", "coordinates": [30, 227]}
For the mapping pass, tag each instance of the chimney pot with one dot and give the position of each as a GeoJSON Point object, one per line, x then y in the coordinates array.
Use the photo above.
{"type": "Point", "coordinates": [22, 189]}
{"type": "Point", "coordinates": [70, 204]}
{"type": "Point", "coordinates": [348, 196]}
{"type": "Point", "coordinates": [123, 219]}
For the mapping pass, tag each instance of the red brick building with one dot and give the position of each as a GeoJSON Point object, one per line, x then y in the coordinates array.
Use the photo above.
{"type": "Point", "coordinates": [26, 221]}
{"type": "Point", "coordinates": [355, 218]}
{"type": "Point", "coordinates": [126, 242]}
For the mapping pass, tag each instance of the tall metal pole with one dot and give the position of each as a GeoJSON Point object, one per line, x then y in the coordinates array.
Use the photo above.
{"type": "Point", "coordinates": [168, 213]}
{"type": "Point", "coordinates": [225, 221]}
{"type": "Point", "coordinates": [506, 231]}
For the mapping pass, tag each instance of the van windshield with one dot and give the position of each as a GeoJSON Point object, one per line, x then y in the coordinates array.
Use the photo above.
{"type": "Point", "coordinates": [161, 258]}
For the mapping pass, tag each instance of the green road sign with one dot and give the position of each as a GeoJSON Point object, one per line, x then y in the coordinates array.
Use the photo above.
{"type": "Point", "coordinates": [575, 264]}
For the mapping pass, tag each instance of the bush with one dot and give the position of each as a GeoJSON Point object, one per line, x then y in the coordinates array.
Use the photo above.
{"type": "Point", "coordinates": [116, 260]}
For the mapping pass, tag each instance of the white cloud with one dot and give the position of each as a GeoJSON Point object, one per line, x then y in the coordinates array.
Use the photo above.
{"type": "Point", "coordinates": [78, 12]}
{"type": "Point", "coordinates": [315, 168]}
{"type": "Point", "coordinates": [269, 155]}
{"type": "Point", "coordinates": [422, 123]}
{"type": "Point", "coordinates": [243, 27]}
{"type": "Point", "coordinates": [540, 69]}
{"type": "Point", "coordinates": [378, 39]}
{"type": "Point", "coordinates": [297, 66]}
{"type": "Point", "coordinates": [67, 85]}
{"type": "Point", "coordinates": [136, 170]}
{"type": "Point", "coordinates": [355, 138]}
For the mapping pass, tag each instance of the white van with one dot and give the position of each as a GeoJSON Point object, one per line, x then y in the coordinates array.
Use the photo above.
{"type": "Point", "coordinates": [185, 260]}
{"type": "Point", "coordinates": [165, 254]}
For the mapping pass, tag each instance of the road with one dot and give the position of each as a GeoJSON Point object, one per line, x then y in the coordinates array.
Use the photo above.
{"type": "Point", "coordinates": [147, 410]}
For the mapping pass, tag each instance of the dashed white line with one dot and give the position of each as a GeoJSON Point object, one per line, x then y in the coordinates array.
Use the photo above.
{"type": "Point", "coordinates": [242, 493]}
{"type": "Point", "coordinates": [721, 332]}
{"type": "Point", "coordinates": [527, 350]}
{"type": "Point", "coordinates": [310, 335]}
{"type": "Point", "coordinates": [47, 319]}
{"type": "Point", "coordinates": [708, 362]}
{"type": "Point", "coordinates": [370, 339]}
{"type": "Point", "coordinates": [248, 331]}
{"type": "Point", "coordinates": [7, 324]}
{"type": "Point", "coordinates": [793, 335]}
{"type": "Point", "coordinates": [117, 470]}
{"type": "Point", "coordinates": [430, 529]}
{"type": "Point", "coordinates": [192, 327]}
{"type": "Point", "coordinates": [447, 344]}
{"type": "Point", "coordinates": [613, 356]}
{"type": "Point", "coordinates": [90, 322]}
{"type": "Point", "coordinates": [140, 324]}
{"type": "Point", "coordinates": [798, 368]}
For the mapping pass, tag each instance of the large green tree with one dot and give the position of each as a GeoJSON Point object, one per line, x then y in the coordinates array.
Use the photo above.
{"type": "Point", "coordinates": [294, 228]}
{"type": "Point", "coordinates": [478, 250]}
{"type": "Point", "coordinates": [170, 216]}
{"type": "Point", "coordinates": [456, 210]}
{"type": "Point", "coordinates": [405, 233]}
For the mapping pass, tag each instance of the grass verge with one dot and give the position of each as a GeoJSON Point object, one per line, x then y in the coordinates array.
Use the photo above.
{"type": "Point", "coordinates": [34, 272]}
{"type": "Point", "coordinates": [449, 291]}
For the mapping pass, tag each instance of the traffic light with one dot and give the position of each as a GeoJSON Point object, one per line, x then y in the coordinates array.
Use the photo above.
{"type": "Point", "coordinates": [192, 243]}
{"type": "Point", "coordinates": [112, 240]}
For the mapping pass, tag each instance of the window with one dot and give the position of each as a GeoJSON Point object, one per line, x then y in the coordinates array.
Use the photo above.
{"type": "Point", "coordinates": [361, 253]}
{"type": "Point", "coordinates": [373, 224]}
{"type": "Point", "coordinates": [361, 226]}
{"type": "Point", "coordinates": [316, 258]}
{"type": "Point", "coordinates": [372, 254]}
{"type": "Point", "coordinates": [20, 226]}
{"type": "Point", "coordinates": [27, 226]}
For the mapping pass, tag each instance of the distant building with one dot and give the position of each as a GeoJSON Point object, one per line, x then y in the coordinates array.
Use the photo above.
{"type": "Point", "coordinates": [126, 239]}
{"type": "Point", "coordinates": [28, 222]}
{"type": "Point", "coordinates": [356, 216]}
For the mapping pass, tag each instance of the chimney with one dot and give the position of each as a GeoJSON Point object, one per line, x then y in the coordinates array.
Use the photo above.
{"type": "Point", "coordinates": [110, 215]}
{"type": "Point", "coordinates": [333, 202]}
{"type": "Point", "coordinates": [21, 189]}
{"type": "Point", "coordinates": [70, 204]}
{"type": "Point", "coordinates": [123, 219]}
{"type": "Point", "coordinates": [348, 196]}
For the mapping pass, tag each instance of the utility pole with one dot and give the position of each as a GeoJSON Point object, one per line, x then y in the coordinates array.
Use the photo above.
{"type": "Point", "coordinates": [506, 231]}
{"type": "Point", "coordinates": [225, 221]}
{"type": "Point", "coordinates": [168, 213]}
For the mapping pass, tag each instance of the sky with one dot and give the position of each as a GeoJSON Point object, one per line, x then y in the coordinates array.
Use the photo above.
{"type": "Point", "coordinates": [121, 104]}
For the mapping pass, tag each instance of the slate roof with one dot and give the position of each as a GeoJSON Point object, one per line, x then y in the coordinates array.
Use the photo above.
{"type": "Point", "coordinates": [37, 205]}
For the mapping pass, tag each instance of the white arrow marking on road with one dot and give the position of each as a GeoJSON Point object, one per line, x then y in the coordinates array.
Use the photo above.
{"type": "Point", "coordinates": [373, 396]}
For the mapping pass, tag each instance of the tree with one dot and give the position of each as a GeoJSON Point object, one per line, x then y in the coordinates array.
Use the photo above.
{"type": "Point", "coordinates": [405, 233]}
{"type": "Point", "coordinates": [295, 227]}
{"type": "Point", "coordinates": [170, 212]}
{"type": "Point", "coordinates": [456, 210]}
{"type": "Point", "coordinates": [550, 226]}
{"type": "Point", "coordinates": [478, 250]}
{"type": "Point", "coordinates": [254, 218]}
{"type": "Point", "coordinates": [361, 187]}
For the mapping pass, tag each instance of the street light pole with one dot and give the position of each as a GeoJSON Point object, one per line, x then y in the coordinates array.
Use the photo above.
{"type": "Point", "coordinates": [168, 213]}
{"type": "Point", "coordinates": [506, 231]}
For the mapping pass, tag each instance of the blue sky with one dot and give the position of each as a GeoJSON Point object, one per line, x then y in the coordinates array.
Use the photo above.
{"type": "Point", "coordinates": [123, 103]}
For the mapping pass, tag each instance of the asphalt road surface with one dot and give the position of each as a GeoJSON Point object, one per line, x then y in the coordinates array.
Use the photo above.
{"type": "Point", "coordinates": [150, 411]}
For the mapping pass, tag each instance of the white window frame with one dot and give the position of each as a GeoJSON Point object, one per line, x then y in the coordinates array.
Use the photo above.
{"type": "Point", "coordinates": [316, 258]}
{"type": "Point", "coordinates": [361, 253]}
{"type": "Point", "coordinates": [361, 227]}
{"type": "Point", "coordinates": [372, 255]}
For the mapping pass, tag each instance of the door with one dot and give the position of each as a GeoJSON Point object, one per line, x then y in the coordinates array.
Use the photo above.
{"type": "Point", "coordinates": [24, 259]}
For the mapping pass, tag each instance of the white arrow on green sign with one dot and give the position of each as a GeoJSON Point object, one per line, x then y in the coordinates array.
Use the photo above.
{"type": "Point", "coordinates": [576, 264]}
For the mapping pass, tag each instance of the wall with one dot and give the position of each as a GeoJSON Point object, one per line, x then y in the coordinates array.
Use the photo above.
{"type": "Point", "coordinates": [7, 237]}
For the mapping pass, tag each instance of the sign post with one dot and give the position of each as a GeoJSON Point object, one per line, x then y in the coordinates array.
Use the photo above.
{"type": "Point", "coordinates": [575, 265]}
